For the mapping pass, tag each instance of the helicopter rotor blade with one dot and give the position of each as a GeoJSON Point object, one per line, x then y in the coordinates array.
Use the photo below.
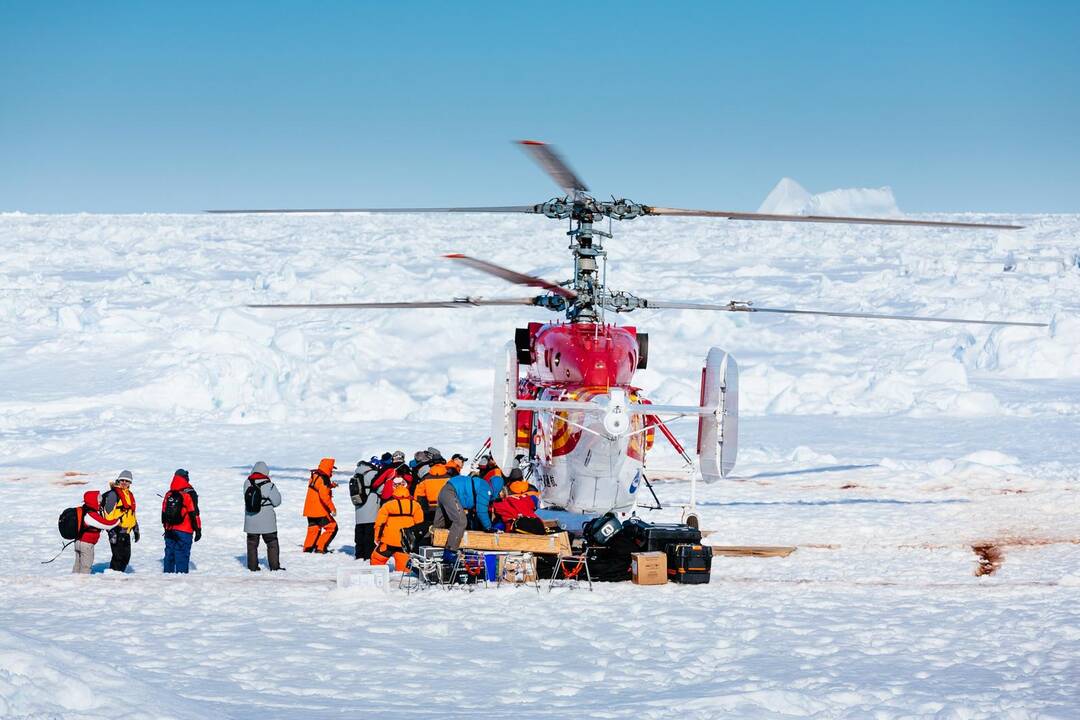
{"type": "Point", "coordinates": [735, 306]}
{"type": "Point", "coordinates": [552, 163]}
{"type": "Point", "coordinates": [289, 211]}
{"type": "Point", "coordinates": [677, 212]}
{"type": "Point", "coordinates": [512, 275]}
{"type": "Point", "coordinates": [456, 302]}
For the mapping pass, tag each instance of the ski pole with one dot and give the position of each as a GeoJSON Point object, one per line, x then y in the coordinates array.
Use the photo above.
{"type": "Point", "coordinates": [479, 453]}
{"type": "Point", "coordinates": [46, 562]}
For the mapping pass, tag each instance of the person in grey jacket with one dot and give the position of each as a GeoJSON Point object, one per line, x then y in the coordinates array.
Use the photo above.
{"type": "Point", "coordinates": [366, 502]}
{"type": "Point", "coordinates": [260, 518]}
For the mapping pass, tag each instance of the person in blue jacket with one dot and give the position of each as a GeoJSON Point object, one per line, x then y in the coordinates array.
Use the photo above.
{"type": "Point", "coordinates": [462, 497]}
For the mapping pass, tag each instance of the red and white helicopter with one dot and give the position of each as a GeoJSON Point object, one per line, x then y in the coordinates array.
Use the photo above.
{"type": "Point", "coordinates": [575, 412]}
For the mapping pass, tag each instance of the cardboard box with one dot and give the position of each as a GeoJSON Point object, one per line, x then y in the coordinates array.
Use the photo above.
{"type": "Point", "coordinates": [648, 568]}
{"type": "Point", "coordinates": [518, 570]}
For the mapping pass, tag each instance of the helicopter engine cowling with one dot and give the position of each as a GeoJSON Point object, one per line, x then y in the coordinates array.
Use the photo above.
{"type": "Point", "coordinates": [586, 354]}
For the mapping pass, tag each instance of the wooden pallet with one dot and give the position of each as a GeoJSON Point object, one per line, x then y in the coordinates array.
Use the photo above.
{"type": "Point", "coordinates": [554, 544]}
{"type": "Point", "coordinates": [751, 550]}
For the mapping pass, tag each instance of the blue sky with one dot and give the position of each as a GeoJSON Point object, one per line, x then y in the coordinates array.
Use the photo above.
{"type": "Point", "coordinates": [141, 107]}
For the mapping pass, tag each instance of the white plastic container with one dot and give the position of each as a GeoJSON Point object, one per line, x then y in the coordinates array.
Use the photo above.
{"type": "Point", "coordinates": [364, 576]}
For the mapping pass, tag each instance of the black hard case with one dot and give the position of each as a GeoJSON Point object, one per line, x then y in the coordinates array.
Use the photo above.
{"type": "Point", "coordinates": [656, 537]}
{"type": "Point", "coordinates": [689, 563]}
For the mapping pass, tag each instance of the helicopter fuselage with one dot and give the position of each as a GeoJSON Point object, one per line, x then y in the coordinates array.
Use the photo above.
{"type": "Point", "coordinates": [579, 464]}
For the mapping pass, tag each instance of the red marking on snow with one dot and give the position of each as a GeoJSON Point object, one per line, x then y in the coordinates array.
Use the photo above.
{"type": "Point", "coordinates": [990, 559]}
{"type": "Point", "coordinates": [999, 544]}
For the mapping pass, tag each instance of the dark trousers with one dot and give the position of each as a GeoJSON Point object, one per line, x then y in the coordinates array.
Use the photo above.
{"type": "Point", "coordinates": [450, 514]}
{"type": "Point", "coordinates": [177, 551]}
{"type": "Point", "coordinates": [120, 543]}
{"type": "Point", "coordinates": [273, 550]}
{"type": "Point", "coordinates": [365, 540]}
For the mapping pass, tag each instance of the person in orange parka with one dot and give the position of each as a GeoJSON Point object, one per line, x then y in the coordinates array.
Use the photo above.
{"type": "Point", "coordinates": [427, 490]}
{"type": "Point", "coordinates": [396, 514]}
{"type": "Point", "coordinates": [319, 508]}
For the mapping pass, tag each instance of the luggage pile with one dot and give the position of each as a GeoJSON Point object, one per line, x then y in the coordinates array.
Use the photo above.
{"type": "Point", "coordinates": [637, 550]}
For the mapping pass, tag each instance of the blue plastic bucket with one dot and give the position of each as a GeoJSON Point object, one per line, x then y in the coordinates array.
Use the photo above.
{"type": "Point", "coordinates": [491, 564]}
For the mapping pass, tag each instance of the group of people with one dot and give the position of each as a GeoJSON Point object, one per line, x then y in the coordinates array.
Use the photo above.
{"type": "Point", "coordinates": [392, 498]}
{"type": "Point", "coordinates": [113, 511]}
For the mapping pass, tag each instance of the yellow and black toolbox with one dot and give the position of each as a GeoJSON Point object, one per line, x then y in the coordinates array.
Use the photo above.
{"type": "Point", "coordinates": [689, 563]}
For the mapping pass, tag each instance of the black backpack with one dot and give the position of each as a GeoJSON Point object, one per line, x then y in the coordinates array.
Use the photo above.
{"type": "Point", "coordinates": [253, 497]}
{"type": "Point", "coordinates": [359, 486]}
{"type": "Point", "coordinates": [71, 523]}
{"type": "Point", "coordinates": [173, 512]}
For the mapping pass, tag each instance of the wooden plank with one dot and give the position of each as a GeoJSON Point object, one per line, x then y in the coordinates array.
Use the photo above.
{"type": "Point", "coordinates": [554, 544]}
{"type": "Point", "coordinates": [752, 550]}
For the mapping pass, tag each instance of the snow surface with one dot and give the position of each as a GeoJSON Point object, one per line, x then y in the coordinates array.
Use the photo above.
{"type": "Point", "coordinates": [791, 198]}
{"type": "Point", "coordinates": [885, 451]}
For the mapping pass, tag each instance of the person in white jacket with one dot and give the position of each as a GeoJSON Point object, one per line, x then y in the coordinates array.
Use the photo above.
{"type": "Point", "coordinates": [366, 502]}
{"type": "Point", "coordinates": [260, 518]}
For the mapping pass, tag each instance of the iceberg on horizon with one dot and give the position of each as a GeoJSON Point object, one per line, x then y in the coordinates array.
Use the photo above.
{"type": "Point", "coordinates": [791, 198]}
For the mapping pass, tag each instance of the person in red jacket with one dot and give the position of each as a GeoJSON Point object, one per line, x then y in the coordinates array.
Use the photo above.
{"type": "Point", "coordinates": [93, 522]}
{"type": "Point", "coordinates": [384, 482]}
{"type": "Point", "coordinates": [517, 509]}
{"type": "Point", "coordinates": [182, 522]}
